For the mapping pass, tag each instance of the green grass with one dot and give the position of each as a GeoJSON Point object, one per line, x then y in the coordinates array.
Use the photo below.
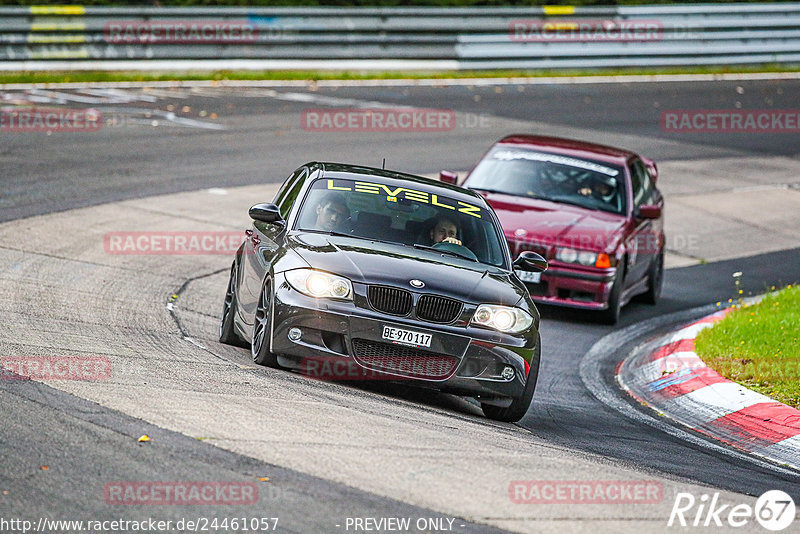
{"type": "Point", "coordinates": [149, 76]}
{"type": "Point", "coordinates": [757, 346]}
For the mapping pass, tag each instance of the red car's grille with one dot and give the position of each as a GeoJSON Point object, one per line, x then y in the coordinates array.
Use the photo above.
{"type": "Point", "coordinates": [390, 300]}
{"type": "Point", "coordinates": [406, 361]}
{"type": "Point", "coordinates": [438, 309]}
{"type": "Point", "coordinates": [538, 290]}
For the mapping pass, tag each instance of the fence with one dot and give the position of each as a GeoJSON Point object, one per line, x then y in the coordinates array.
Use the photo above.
{"type": "Point", "coordinates": [555, 37]}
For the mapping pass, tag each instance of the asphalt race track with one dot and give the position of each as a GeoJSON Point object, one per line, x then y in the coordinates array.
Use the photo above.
{"type": "Point", "coordinates": [195, 160]}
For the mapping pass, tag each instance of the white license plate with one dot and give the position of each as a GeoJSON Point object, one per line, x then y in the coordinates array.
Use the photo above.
{"type": "Point", "coordinates": [527, 276]}
{"type": "Point", "coordinates": [406, 337]}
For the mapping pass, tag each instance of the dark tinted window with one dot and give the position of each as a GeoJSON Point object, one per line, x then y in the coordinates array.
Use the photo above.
{"type": "Point", "coordinates": [286, 185]}
{"type": "Point", "coordinates": [642, 186]}
{"type": "Point", "coordinates": [289, 191]}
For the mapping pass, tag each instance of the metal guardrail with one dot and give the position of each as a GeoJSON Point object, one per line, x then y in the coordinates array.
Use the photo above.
{"type": "Point", "coordinates": [467, 38]}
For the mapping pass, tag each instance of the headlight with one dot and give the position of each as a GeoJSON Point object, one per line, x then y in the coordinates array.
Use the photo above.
{"type": "Point", "coordinates": [502, 318]}
{"type": "Point", "coordinates": [570, 255]}
{"type": "Point", "coordinates": [587, 258]}
{"type": "Point", "coordinates": [567, 255]}
{"type": "Point", "coordinates": [319, 284]}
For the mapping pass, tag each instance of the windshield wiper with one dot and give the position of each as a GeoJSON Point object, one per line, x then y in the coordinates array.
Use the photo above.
{"type": "Point", "coordinates": [486, 190]}
{"type": "Point", "coordinates": [570, 201]}
{"type": "Point", "coordinates": [324, 232]}
{"type": "Point", "coordinates": [357, 236]}
{"type": "Point", "coordinates": [444, 251]}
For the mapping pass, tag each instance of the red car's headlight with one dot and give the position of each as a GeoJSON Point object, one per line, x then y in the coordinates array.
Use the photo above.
{"type": "Point", "coordinates": [583, 257]}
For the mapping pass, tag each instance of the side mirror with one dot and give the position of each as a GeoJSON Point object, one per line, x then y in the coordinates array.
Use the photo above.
{"type": "Point", "coordinates": [267, 213]}
{"type": "Point", "coordinates": [448, 177]}
{"type": "Point", "coordinates": [531, 261]}
{"type": "Point", "coordinates": [652, 168]}
{"type": "Point", "coordinates": [649, 212]}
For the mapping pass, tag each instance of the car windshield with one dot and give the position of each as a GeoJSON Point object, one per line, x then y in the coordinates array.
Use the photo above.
{"type": "Point", "coordinates": [565, 179]}
{"type": "Point", "coordinates": [401, 213]}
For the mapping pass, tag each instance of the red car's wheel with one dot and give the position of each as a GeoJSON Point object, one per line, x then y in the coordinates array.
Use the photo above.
{"type": "Point", "coordinates": [611, 314]}
{"type": "Point", "coordinates": [655, 280]}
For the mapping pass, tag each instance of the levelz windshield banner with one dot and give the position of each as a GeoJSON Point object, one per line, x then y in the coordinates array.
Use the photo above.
{"type": "Point", "coordinates": [404, 193]}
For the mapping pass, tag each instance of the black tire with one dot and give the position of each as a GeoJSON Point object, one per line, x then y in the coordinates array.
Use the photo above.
{"type": "Point", "coordinates": [655, 280]}
{"type": "Point", "coordinates": [262, 329]}
{"type": "Point", "coordinates": [611, 314]}
{"type": "Point", "coordinates": [519, 406]}
{"type": "Point", "coordinates": [227, 330]}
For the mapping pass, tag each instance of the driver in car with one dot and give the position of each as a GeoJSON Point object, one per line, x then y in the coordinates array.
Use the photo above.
{"type": "Point", "coordinates": [332, 211]}
{"type": "Point", "coordinates": [599, 189]}
{"type": "Point", "coordinates": [445, 231]}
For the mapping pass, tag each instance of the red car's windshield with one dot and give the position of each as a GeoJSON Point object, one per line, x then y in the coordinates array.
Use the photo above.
{"type": "Point", "coordinates": [554, 177]}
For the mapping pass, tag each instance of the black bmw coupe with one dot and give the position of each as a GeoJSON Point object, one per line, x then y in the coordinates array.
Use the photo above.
{"type": "Point", "coordinates": [358, 273]}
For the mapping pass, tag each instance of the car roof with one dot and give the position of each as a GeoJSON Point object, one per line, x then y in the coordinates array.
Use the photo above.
{"type": "Point", "coordinates": [571, 147]}
{"type": "Point", "coordinates": [384, 176]}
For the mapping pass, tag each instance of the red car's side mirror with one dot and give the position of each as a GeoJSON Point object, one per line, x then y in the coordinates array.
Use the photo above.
{"type": "Point", "coordinates": [649, 212]}
{"type": "Point", "coordinates": [448, 177]}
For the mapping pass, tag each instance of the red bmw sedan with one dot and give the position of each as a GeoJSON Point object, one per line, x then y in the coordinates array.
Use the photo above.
{"type": "Point", "coordinates": [592, 211]}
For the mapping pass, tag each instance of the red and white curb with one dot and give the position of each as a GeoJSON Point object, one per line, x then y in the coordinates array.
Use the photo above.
{"type": "Point", "coordinates": [674, 381]}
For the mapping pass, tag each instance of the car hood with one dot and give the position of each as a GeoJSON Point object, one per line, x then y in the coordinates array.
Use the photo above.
{"type": "Point", "coordinates": [550, 223]}
{"type": "Point", "coordinates": [375, 262]}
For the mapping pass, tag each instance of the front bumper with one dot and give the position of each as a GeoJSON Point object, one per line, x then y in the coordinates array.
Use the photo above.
{"type": "Point", "coordinates": [574, 287]}
{"type": "Point", "coordinates": [343, 341]}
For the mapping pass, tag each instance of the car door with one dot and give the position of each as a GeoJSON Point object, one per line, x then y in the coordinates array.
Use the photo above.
{"type": "Point", "coordinates": [640, 242]}
{"type": "Point", "coordinates": [263, 243]}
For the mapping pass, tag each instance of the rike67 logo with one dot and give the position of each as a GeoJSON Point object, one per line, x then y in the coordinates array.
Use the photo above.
{"type": "Point", "coordinates": [774, 510]}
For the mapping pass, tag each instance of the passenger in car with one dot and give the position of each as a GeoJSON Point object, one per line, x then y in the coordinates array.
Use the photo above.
{"type": "Point", "coordinates": [332, 211]}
